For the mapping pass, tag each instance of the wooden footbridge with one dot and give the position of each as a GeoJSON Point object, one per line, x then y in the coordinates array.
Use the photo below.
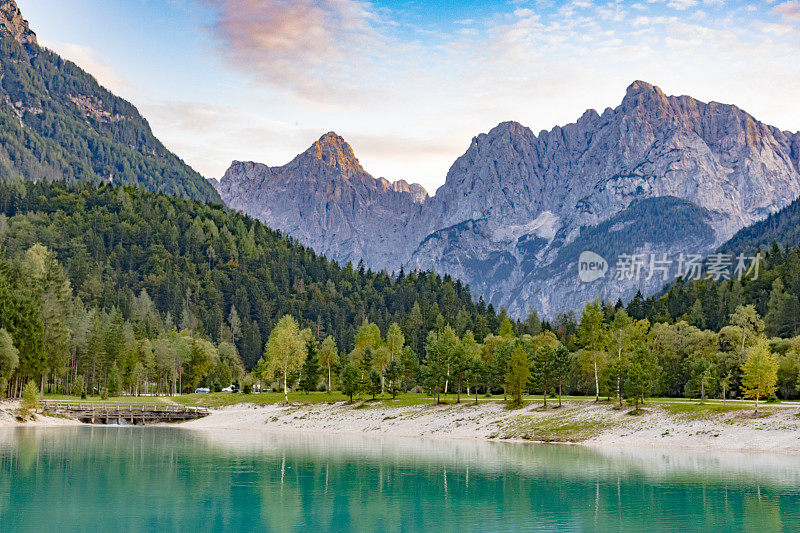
{"type": "Point", "coordinates": [122, 413]}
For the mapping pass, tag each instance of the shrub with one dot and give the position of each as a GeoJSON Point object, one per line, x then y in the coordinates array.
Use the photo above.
{"type": "Point", "coordinates": [30, 395]}
{"type": "Point", "coordinates": [77, 387]}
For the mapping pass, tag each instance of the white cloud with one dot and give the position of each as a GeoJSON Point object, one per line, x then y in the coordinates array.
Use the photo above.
{"type": "Point", "coordinates": [789, 10]}
{"type": "Point", "coordinates": [309, 46]}
{"type": "Point", "coordinates": [682, 5]}
{"type": "Point", "coordinates": [409, 99]}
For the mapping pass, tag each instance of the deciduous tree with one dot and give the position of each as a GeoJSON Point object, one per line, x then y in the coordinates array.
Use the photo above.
{"type": "Point", "coordinates": [759, 373]}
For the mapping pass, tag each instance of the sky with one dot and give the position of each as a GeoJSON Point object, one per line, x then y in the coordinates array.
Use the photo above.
{"type": "Point", "coordinates": [409, 83]}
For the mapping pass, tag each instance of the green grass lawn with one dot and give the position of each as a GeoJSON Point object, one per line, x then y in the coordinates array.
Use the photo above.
{"type": "Point", "coordinates": [221, 399]}
{"type": "Point", "coordinates": [554, 428]}
{"type": "Point", "coordinates": [697, 409]}
{"type": "Point", "coordinates": [113, 400]}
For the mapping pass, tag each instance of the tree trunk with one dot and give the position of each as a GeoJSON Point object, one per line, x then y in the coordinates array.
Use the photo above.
{"type": "Point", "coordinates": [559, 393]}
{"type": "Point", "coordinates": [329, 378]}
{"type": "Point", "coordinates": [596, 381]}
{"type": "Point", "coordinates": [619, 369]}
{"type": "Point", "coordinates": [285, 392]}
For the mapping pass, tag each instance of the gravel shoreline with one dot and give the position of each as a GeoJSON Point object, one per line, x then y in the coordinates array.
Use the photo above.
{"type": "Point", "coordinates": [774, 430]}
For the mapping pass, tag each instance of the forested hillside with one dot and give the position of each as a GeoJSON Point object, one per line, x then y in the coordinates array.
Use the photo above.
{"type": "Point", "coordinates": [58, 123]}
{"type": "Point", "coordinates": [782, 227]}
{"type": "Point", "coordinates": [210, 271]}
{"type": "Point", "coordinates": [709, 304]}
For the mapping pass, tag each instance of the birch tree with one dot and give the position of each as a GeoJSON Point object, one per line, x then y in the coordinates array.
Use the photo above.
{"type": "Point", "coordinates": [285, 351]}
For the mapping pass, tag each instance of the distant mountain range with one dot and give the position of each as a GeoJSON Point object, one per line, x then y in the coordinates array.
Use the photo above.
{"type": "Point", "coordinates": [58, 123]}
{"type": "Point", "coordinates": [656, 177]}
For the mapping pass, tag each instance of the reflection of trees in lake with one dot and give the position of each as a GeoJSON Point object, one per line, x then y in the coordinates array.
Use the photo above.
{"type": "Point", "coordinates": [137, 478]}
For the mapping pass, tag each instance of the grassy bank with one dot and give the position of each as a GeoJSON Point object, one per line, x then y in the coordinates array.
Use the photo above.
{"type": "Point", "coordinates": [676, 406]}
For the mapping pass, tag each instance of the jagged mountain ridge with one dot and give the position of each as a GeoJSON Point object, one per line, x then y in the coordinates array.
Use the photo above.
{"type": "Point", "coordinates": [515, 201]}
{"type": "Point", "coordinates": [324, 196]}
{"type": "Point", "coordinates": [58, 123]}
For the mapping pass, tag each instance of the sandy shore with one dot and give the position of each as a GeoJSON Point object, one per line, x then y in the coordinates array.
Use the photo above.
{"type": "Point", "coordinates": [774, 430]}
{"type": "Point", "coordinates": [10, 416]}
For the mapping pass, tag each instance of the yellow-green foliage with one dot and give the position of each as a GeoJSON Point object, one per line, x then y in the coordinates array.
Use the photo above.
{"type": "Point", "coordinates": [759, 373]}
{"type": "Point", "coordinates": [30, 395]}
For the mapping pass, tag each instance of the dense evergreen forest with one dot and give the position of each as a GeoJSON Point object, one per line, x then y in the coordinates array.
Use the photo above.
{"type": "Point", "coordinates": [164, 265]}
{"type": "Point", "coordinates": [782, 227]}
{"type": "Point", "coordinates": [112, 289]}
{"type": "Point", "coordinates": [709, 304]}
{"type": "Point", "coordinates": [58, 123]}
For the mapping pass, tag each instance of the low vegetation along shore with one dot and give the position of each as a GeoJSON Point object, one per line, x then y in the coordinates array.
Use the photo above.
{"type": "Point", "coordinates": [733, 426]}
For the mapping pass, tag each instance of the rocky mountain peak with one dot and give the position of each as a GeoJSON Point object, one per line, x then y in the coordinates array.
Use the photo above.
{"type": "Point", "coordinates": [417, 191]}
{"type": "Point", "coordinates": [11, 21]}
{"type": "Point", "coordinates": [657, 174]}
{"type": "Point", "coordinates": [641, 92]}
{"type": "Point", "coordinates": [333, 151]}
{"type": "Point", "coordinates": [509, 128]}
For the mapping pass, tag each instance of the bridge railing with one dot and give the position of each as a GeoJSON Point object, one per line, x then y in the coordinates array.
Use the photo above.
{"type": "Point", "coordinates": [81, 405]}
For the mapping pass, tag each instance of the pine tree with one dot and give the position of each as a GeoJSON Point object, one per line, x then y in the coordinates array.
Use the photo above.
{"type": "Point", "coordinates": [775, 319]}
{"type": "Point", "coordinates": [9, 358]}
{"type": "Point", "coordinates": [542, 369]}
{"type": "Point", "coordinates": [562, 364]}
{"type": "Point", "coordinates": [517, 375]}
{"type": "Point", "coordinates": [350, 381]}
{"type": "Point", "coordinates": [642, 375]}
{"type": "Point", "coordinates": [309, 373]}
{"type": "Point", "coordinates": [392, 375]}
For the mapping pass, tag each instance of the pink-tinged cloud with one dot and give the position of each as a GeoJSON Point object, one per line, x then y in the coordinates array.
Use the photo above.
{"type": "Point", "coordinates": [305, 46]}
{"type": "Point", "coordinates": [789, 10]}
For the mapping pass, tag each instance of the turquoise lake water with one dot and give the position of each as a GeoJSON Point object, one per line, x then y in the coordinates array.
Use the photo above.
{"type": "Point", "coordinates": [173, 479]}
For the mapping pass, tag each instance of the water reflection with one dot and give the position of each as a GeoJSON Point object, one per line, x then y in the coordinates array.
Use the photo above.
{"type": "Point", "coordinates": [104, 478]}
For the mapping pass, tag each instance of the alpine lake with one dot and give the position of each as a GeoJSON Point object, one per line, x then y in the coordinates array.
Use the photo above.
{"type": "Point", "coordinates": [171, 479]}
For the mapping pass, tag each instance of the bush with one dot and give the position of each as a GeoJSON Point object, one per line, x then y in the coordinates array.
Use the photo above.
{"type": "Point", "coordinates": [77, 387]}
{"type": "Point", "coordinates": [30, 395]}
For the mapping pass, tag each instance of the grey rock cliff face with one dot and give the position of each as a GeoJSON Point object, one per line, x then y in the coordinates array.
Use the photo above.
{"type": "Point", "coordinates": [326, 200]}
{"type": "Point", "coordinates": [12, 21]}
{"type": "Point", "coordinates": [515, 205]}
